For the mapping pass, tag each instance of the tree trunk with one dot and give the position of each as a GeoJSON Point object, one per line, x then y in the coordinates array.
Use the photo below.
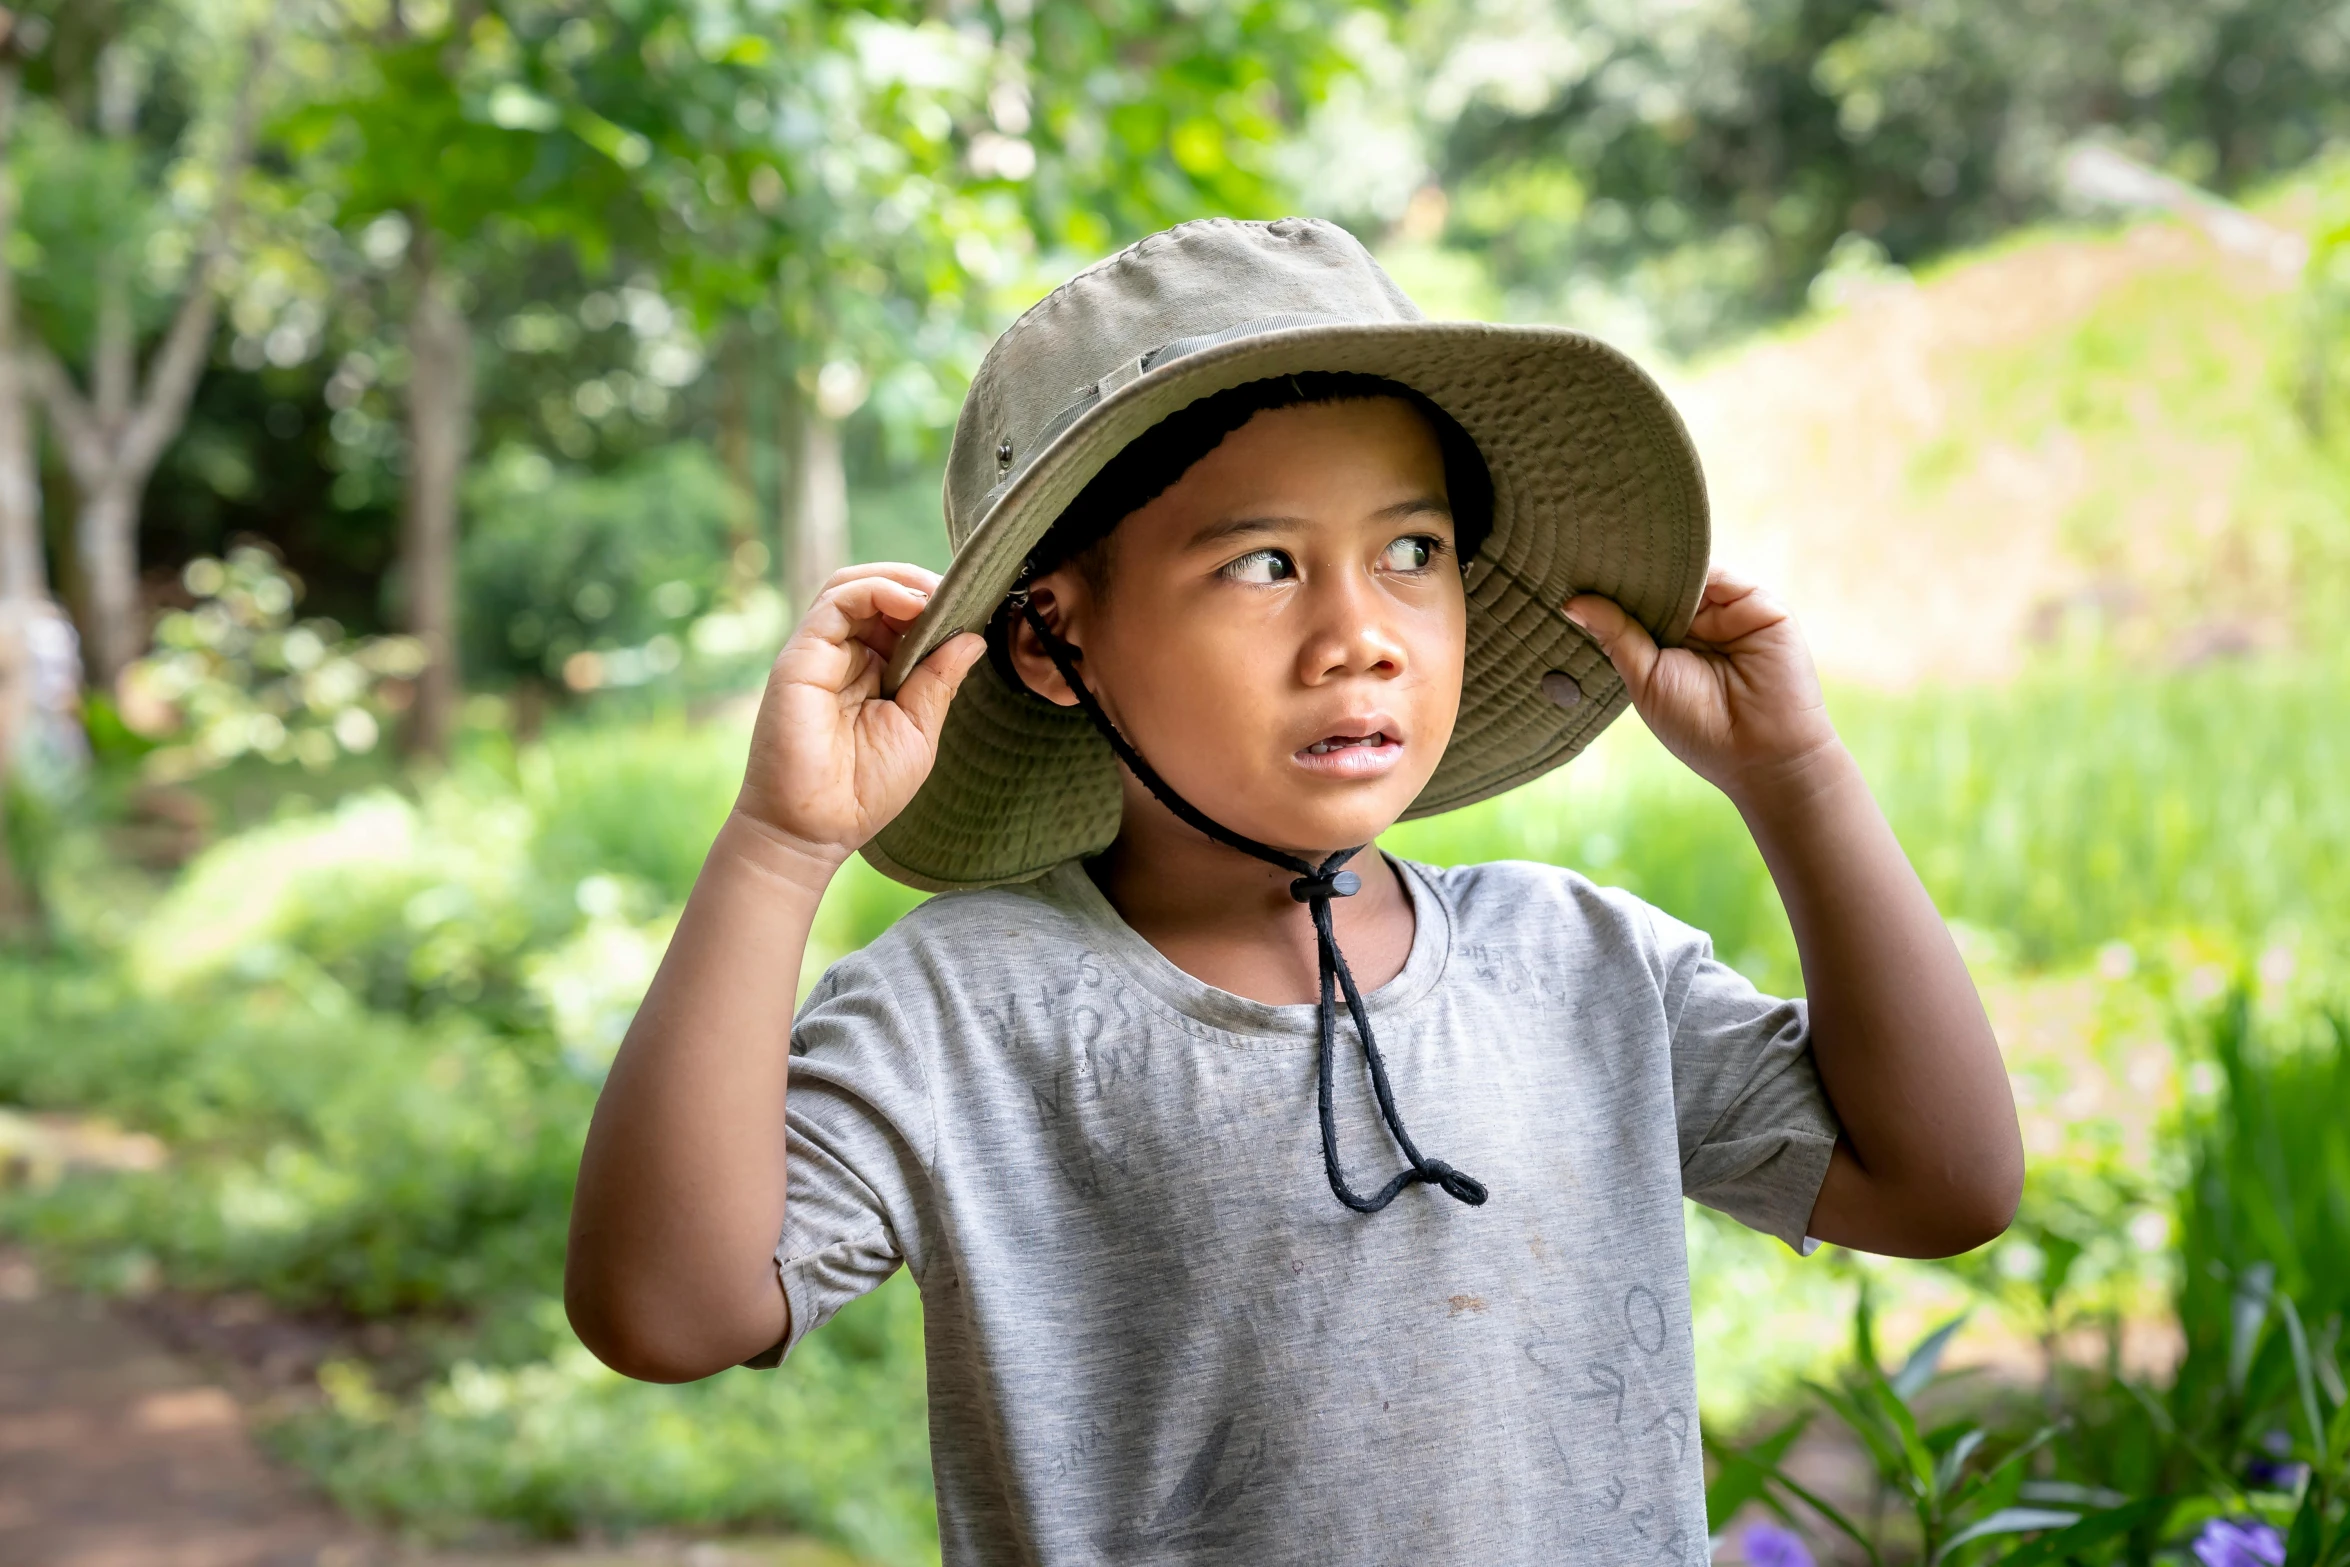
{"type": "Point", "coordinates": [106, 540]}
{"type": "Point", "coordinates": [734, 436]}
{"type": "Point", "coordinates": [21, 572]}
{"type": "Point", "coordinates": [16, 906]}
{"type": "Point", "coordinates": [791, 411]}
{"type": "Point", "coordinates": [22, 581]}
{"type": "Point", "coordinates": [440, 434]}
{"type": "Point", "coordinates": [112, 438]}
{"type": "Point", "coordinates": [820, 541]}
{"type": "Point", "coordinates": [106, 524]}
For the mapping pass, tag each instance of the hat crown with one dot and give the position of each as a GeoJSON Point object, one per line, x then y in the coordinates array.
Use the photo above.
{"type": "Point", "coordinates": [1095, 333]}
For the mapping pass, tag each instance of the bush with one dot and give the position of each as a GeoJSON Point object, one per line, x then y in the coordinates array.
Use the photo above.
{"type": "Point", "coordinates": [558, 564]}
{"type": "Point", "coordinates": [835, 1442]}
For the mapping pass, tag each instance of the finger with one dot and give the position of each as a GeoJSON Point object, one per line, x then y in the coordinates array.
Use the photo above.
{"type": "Point", "coordinates": [1732, 611]}
{"type": "Point", "coordinates": [931, 688]}
{"type": "Point", "coordinates": [1726, 584]}
{"type": "Point", "coordinates": [873, 609]}
{"type": "Point", "coordinates": [921, 578]}
{"type": "Point", "coordinates": [848, 627]}
{"type": "Point", "coordinates": [1624, 640]}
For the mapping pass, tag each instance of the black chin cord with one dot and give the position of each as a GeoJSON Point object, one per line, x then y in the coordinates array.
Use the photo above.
{"type": "Point", "coordinates": [1315, 886]}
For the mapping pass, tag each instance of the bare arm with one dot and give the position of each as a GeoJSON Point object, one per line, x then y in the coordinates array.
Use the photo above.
{"type": "Point", "coordinates": [670, 1273]}
{"type": "Point", "coordinates": [1931, 1163]}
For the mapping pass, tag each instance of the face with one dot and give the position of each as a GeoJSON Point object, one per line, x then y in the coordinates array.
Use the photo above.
{"type": "Point", "coordinates": [1281, 632]}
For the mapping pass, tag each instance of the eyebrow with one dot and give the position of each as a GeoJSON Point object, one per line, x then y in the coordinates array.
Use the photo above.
{"type": "Point", "coordinates": [1232, 528]}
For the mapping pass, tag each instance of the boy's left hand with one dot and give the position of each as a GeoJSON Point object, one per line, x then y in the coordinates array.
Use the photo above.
{"type": "Point", "coordinates": [1738, 700]}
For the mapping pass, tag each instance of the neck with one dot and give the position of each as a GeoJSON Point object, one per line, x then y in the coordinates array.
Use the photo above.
{"type": "Point", "coordinates": [1227, 918]}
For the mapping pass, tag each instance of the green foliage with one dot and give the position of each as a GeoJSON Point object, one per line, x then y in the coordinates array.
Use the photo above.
{"type": "Point", "coordinates": [1962, 1504]}
{"type": "Point", "coordinates": [2325, 346]}
{"type": "Point", "coordinates": [371, 1036]}
{"type": "Point", "coordinates": [81, 198]}
{"type": "Point", "coordinates": [237, 675]}
{"type": "Point", "coordinates": [1713, 158]}
{"type": "Point", "coordinates": [2253, 1430]}
{"type": "Point", "coordinates": [558, 564]}
{"type": "Point", "coordinates": [327, 1157]}
{"type": "Point", "coordinates": [2264, 1231]}
{"type": "Point", "coordinates": [832, 1442]}
{"type": "Point", "coordinates": [2204, 802]}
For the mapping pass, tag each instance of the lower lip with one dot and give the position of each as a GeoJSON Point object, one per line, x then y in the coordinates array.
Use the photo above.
{"type": "Point", "coordinates": [1352, 761]}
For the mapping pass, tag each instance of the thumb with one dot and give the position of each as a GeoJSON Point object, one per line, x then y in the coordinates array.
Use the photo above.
{"type": "Point", "coordinates": [1624, 640]}
{"type": "Point", "coordinates": [931, 688]}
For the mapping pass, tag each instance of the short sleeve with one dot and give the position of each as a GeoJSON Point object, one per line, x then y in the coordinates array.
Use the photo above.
{"type": "Point", "coordinates": [858, 1129]}
{"type": "Point", "coordinates": [1756, 1128]}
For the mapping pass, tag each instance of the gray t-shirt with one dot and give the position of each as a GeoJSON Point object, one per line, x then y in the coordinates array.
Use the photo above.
{"type": "Point", "coordinates": [1155, 1336]}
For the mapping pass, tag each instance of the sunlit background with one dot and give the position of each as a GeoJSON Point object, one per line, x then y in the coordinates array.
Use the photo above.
{"type": "Point", "coordinates": [420, 421]}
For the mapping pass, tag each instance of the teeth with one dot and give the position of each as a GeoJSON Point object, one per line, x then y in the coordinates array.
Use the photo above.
{"type": "Point", "coordinates": [1342, 742]}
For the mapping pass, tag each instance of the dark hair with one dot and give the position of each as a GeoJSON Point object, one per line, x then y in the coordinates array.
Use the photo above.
{"type": "Point", "coordinates": [1155, 459]}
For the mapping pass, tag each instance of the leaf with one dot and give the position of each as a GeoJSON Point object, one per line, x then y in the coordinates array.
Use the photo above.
{"type": "Point", "coordinates": [2305, 1542]}
{"type": "Point", "coordinates": [1882, 1442]}
{"type": "Point", "coordinates": [1837, 1520]}
{"type": "Point", "coordinates": [1917, 1469]}
{"type": "Point", "coordinates": [2307, 1380]}
{"type": "Point", "coordinates": [1924, 1360]}
{"type": "Point", "coordinates": [2093, 1530]}
{"type": "Point", "coordinates": [2017, 1454]}
{"type": "Point", "coordinates": [1743, 1474]}
{"type": "Point", "coordinates": [2066, 1491]}
{"type": "Point", "coordinates": [1953, 1460]}
{"type": "Point", "coordinates": [2327, 1352]}
{"type": "Point", "coordinates": [1864, 1334]}
{"type": "Point", "coordinates": [2222, 1482]}
{"type": "Point", "coordinates": [2008, 1520]}
{"type": "Point", "coordinates": [2247, 1311]}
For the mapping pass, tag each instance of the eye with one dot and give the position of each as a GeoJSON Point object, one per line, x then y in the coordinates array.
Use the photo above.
{"type": "Point", "coordinates": [1413, 552]}
{"type": "Point", "coordinates": [1262, 566]}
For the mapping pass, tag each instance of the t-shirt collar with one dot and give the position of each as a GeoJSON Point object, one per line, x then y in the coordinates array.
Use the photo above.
{"type": "Point", "coordinates": [1293, 1026]}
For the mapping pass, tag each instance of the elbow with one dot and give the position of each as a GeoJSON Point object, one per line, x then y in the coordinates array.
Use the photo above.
{"type": "Point", "coordinates": [661, 1335]}
{"type": "Point", "coordinates": [1977, 1210]}
{"type": "Point", "coordinates": [628, 1336]}
{"type": "Point", "coordinates": [1972, 1225]}
{"type": "Point", "coordinates": [643, 1356]}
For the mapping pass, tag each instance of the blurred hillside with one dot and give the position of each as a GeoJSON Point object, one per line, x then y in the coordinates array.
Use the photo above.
{"type": "Point", "coordinates": [2073, 438]}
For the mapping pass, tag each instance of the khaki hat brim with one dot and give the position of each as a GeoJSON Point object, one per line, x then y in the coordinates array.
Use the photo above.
{"type": "Point", "coordinates": [1596, 489]}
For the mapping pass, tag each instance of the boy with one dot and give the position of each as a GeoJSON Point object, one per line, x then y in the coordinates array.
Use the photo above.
{"type": "Point", "coordinates": [1259, 562]}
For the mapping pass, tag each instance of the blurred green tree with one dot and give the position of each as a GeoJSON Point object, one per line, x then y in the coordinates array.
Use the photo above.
{"type": "Point", "coordinates": [840, 198]}
{"type": "Point", "coordinates": [131, 202]}
{"type": "Point", "coordinates": [1717, 158]}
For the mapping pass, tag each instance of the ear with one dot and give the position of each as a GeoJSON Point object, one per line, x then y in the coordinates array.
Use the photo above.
{"type": "Point", "coordinates": [1058, 596]}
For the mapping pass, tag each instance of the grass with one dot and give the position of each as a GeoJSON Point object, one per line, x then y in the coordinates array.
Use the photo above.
{"type": "Point", "coordinates": [2056, 815]}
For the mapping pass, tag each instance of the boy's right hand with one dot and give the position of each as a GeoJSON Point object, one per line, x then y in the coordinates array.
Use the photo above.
{"type": "Point", "coordinates": [832, 760]}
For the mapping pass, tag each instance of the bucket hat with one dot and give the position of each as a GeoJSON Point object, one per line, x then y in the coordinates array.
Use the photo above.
{"type": "Point", "coordinates": [1596, 489]}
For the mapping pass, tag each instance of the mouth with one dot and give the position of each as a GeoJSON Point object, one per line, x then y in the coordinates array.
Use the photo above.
{"type": "Point", "coordinates": [1363, 749]}
{"type": "Point", "coordinates": [1326, 746]}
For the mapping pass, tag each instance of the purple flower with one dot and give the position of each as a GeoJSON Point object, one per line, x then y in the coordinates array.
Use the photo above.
{"type": "Point", "coordinates": [2275, 1472]}
{"type": "Point", "coordinates": [2225, 1544]}
{"type": "Point", "coordinates": [1768, 1545]}
{"type": "Point", "coordinates": [2274, 1475]}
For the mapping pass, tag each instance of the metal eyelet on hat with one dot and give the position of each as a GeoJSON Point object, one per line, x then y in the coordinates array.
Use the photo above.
{"type": "Point", "coordinates": [1562, 688]}
{"type": "Point", "coordinates": [1003, 454]}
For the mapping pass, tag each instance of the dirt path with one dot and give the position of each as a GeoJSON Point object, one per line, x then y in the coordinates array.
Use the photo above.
{"type": "Point", "coordinates": [116, 1450]}
{"type": "Point", "coordinates": [113, 1450]}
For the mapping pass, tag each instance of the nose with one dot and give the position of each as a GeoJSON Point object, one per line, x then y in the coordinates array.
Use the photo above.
{"type": "Point", "coordinates": [1351, 630]}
